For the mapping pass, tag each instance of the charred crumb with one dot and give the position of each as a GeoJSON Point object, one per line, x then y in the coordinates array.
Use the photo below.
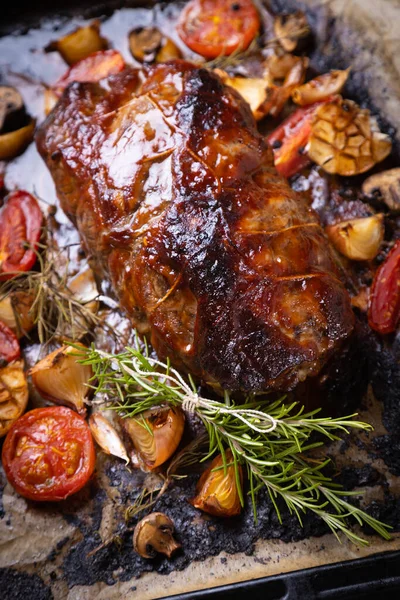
{"type": "Point", "coordinates": [352, 477]}
{"type": "Point", "coordinates": [388, 449]}
{"type": "Point", "coordinates": [15, 585]}
{"type": "Point", "coordinates": [387, 511]}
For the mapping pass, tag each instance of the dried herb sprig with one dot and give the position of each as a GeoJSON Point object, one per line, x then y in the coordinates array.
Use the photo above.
{"type": "Point", "coordinates": [55, 310]}
{"type": "Point", "coordinates": [270, 438]}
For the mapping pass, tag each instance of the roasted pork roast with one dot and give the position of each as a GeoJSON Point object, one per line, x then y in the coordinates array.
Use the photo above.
{"type": "Point", "coordinates": [215, 258]}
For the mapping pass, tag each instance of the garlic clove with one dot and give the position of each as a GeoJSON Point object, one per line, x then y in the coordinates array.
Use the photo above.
{"type": "Point", "coordinates": [358, 239]}
{"type": "Point", "coordinates": [13, 394]}
{"type": "Point", "coordinates": [60, 378]}
{"type": "Point", "coordinates": [217, 491]}
{"type": "Point", "coordinates": [107, 437]}
{"type": "Point", "coordinates": [156, 434]}
{"type": "Point", "coordinates": [16, 312]}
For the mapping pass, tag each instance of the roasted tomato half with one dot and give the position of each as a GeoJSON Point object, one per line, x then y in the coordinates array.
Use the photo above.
{"type": "Point", "coordinates": [218, 27]}
{"type": "Point", "coordinates": [384, 307]}
{"type": "Point", "coordinates": [9, 345]}
{"type": "Point", "coordinates": [48, 454]}
{"type": "Point", "coordinates": [20, 230]}
{"type": "Point", "coordinates": [289, 140]}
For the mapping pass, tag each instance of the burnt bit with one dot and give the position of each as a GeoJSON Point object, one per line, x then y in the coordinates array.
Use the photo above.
{"type": "Point", "coordinates": [15, 585]}
{"type": "Point", "coordinates": [388, 449]}
{"type": "Point", "coordinates": [352, 477]}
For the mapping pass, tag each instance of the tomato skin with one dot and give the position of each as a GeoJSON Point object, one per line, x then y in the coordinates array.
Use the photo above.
{"type": "Point", "coordinates": [384, 304]}
{"type": "Point", "coordinates": [293, 135]}
{"type": "Point", "coordinates": [20, 230]}
{"type": "Point", "coordinates": [48, 454]}
{"type": "Point", "coordinates": [218, 27]}
{"type": "Point", "coordinates": [9, 345]}
{"type": "Point", "coordinates": [93, 68]}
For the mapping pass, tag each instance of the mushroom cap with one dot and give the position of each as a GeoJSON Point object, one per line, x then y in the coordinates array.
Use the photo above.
{"type": "Point", "coordinates": [154, 534]}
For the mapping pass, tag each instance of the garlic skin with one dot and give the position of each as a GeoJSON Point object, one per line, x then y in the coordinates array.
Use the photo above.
{"type": "Point", "coordinates": [156, 434]}
{"type": "Point", "coordinates": [216, 492]}
{"type": "Point", "coordinates": [60, 378]}
{"type": "Point", "coordinates": [358, 239]}
{"type": "Point", "coordinates": [13, 394]}
{"type": "Point", "coordinates": [107, 437]}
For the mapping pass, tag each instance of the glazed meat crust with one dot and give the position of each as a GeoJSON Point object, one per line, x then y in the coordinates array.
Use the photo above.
{"type": "Point", "coordinates": [211, 253]}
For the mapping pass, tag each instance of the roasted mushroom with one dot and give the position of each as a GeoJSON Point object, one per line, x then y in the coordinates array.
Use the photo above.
{"type": "Point", "coordinates": [12, 109]}
{"type": "Point", "coordinates": [79, 44]}
{"type": "Point", "coordinates": [386, 186]}
{"type": "Point", "coordinates": [148, 44]}
{"type": "Point", "coordinates": [292, 30]}
{"type": "Point", "coordinates": [153, 535]}
{"type": "Point", "coordinates": [345, 139]}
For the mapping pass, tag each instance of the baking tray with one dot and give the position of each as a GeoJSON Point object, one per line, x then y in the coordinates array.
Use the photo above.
{"type": "Point", "coordinates": [369, 577]}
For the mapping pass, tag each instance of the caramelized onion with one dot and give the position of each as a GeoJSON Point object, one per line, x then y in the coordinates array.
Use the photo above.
{"type": "Point", "coordinates": [60, 378]}
{"type": "Point", "coordinates": [320, 88]}
{"type": "Point", "coordinates": [13, 394]}
{"type": "Point", "coordinates": [107, 436]}
{"type": "Point", "coordinates": [358, 239]}
{"type": "Point", "coordinates": [216, 491]}
{"type": "Point", "coordinates": [345, 139]}
{"type": "Point", "coordinates": [15, 142]}
{"type": "Point", "coordinates": [156, 434]}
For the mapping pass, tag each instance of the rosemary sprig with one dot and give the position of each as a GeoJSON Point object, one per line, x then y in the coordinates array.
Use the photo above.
{"type": "Point", "coordinates": [268, 437]}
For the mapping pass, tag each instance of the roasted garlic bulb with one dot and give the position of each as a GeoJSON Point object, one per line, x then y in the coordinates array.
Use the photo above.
{"type": "Point", "coordinates": [345, 139]}
{"type": "Point", "coordinates": [156, 434]}
{"type": "Point", "coordinates": [358, 239]}
{"type": "Point", "coordinates": [216, 491]}
{"type": "Point", "coordinates": [13, 394]}
{"type": "Point", "coordinates": [60, 378]}
{"type": "Point", "coordinates": [107, 436]}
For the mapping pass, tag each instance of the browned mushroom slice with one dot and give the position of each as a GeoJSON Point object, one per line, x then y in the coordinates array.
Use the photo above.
{"type": "Point", "coordinates": [292, 30]}
{"type": "Point", "coordinates": [80, 43]}
{"type": "Point", "coordinates": [345, 139]}
{"type": "Point", "coordinates": [386, 185]}
{"type": "Point", "coordinates": [148, 44]}
{"type": "Point", "coordinates": [12, 109]}
{"type": "Point", "coordinates": [154, 535]}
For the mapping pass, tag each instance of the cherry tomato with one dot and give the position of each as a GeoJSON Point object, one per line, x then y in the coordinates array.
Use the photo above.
{"type": "Point", "coordinates": [384, 305]}
{"type": "Point", "coordinates": [93, 68]}
{"type": "Point", "coordinates": [9, 345]}
{"type": "Point", "coordinates": [20, 229]}
{"type": "Point", "coordinates": [288, 141]}
{"type": "Point", "coordinates": [48, 453]}
{"type": "Point", "coordinates": [218, 27]}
